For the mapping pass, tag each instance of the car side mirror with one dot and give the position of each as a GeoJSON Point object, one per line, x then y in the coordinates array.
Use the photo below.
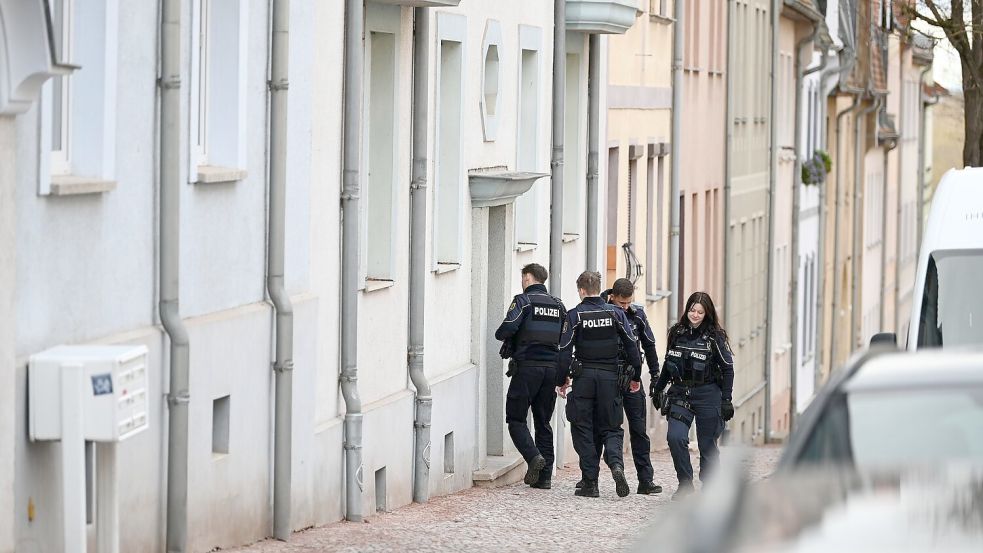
{"type": "Point", "coordinates": [884, 338]}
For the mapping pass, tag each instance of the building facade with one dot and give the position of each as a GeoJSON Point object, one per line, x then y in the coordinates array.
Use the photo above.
{"type": "Point", "coordinates": [85, 245]}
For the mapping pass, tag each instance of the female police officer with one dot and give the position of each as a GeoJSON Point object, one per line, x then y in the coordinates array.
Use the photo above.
{"type": "Point", "coordinates": [700, 366]}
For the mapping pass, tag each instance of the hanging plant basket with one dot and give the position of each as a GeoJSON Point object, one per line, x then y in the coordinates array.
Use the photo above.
{"type": "Point", "coordinates": [815, 169]}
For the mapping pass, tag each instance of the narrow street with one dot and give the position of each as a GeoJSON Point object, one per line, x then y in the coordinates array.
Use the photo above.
{"type": "Point", "coordinates": [513, 518]}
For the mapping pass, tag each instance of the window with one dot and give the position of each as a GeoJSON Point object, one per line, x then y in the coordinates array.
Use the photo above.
{"type": "Point", "coordinates": [78, 111]}
{"type": "Point", "coordinates": [654, 218]}
{"type": "Point", "coordinates": [614, 160]}
{"type": "Point", "coordinates": [380, 218]}
{"type": "Point", "coordinates": [219, 64]}
{"type": "Point", "coordinates": [450, 183]}
{"type": "Point", "coordinates": [490, 79]}
{"type": "Point", "coordinates": [952, 305]}
{"type": "Point", "coordinates": [573, 142]}
{"type": "Point", "coordinates": [527, 143]}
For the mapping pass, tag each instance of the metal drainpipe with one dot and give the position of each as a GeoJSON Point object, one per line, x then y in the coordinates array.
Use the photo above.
{"type": "Point", "coordinates": [921, 160]}
{"type": "Point", "coordinates": [556, 164]}
{"type": "Point", "coordinates": [283, 365]}
{"type": "Point", "coordinates": [823, 213]}
{"type": "Point", "coordinates": [593, 137]}
{"type": "Point", "coordinates": [728, 139]}
{"type": "Point", "coordinates": [840, 177]}
{"type": "Point", "coordinates": [418, 261]}
{"type": "Point", "coordinates": [352, 137]}
{"type": "Point", "coordinates": [856, 231]}
{"type": "Point", "coordinates": [169, 306]}
{"type": "Point", "coordinates": [882, 317]}
{"type": "Point", "coordinates": [772, 183]}
{"type": "Point", "coordinates": [796, 201]}
{"type": "Point", "coordinates": [679, 10]}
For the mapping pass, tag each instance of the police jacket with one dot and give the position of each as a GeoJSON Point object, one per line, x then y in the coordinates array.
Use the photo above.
{"type": "Point", "coordinates": [646, 338]}
{"type": "Point", "coordinates": [597, 332]}
{"type": "Point", "coordinates": [697, 355]}
{"type": "Point", "coordinates": [532, 326]}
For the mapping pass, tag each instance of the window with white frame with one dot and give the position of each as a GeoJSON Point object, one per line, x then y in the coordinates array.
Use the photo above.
{"type": "Point", "coordinates": [450, 189]}
{"type": "Point", "coordinates": [573, 141]}
{"type": "Point", "coordinates": [78, 111]}
{"type": "Point", "coordinates": [219, 61]}
{"type": "Point", "coordinates": [380, 142]}
{"type": "Point", "coordinates": [527, 140]}
{"type": "Point", "coordinates": [654, 219]}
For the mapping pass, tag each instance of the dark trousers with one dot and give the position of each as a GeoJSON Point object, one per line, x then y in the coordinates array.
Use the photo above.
{"type": "Point", "coordinates": [532, 387]}
{"type": "Point", "coordinates": [641, 446]}
{"type": "Point", "coordinates": [704, 406]}
{"type": "Point", "coordinates": [595, 400]}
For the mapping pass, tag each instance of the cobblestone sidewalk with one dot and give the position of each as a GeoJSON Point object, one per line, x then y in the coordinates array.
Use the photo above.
{"type": "Point", "coordinates": [514, 518]}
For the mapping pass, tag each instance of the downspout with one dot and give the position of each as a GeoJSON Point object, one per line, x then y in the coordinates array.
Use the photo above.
{"type": "Point", "coordinates": [418, 261]}
{"type": "Point", "coordinates": [921, 160]}
{"type": "Point", "coordinates": [728, 139]}
{"type": "Point", "coordinates": [677, 90]}
{"type": "Point", "coordinates": [352, 138]}
{"type": "Point", "coordinates": [593, 137]}
{"type": "Point", "coordinates": [857, 234]}
{"type": "Point", "coordinates": [882, 316]}
{"type": "Point", "coordinates": [823, 214]}
{"type": "Point", "coordinates": [796, 201]}
{"type": "Point", "coordinates": [284, 364]}
{"type": "Point", "coordinates": [772, 183]}
{"type": "Point", "coordinates": [170, 313]}
{"type": "Point", "coordinates": [840, 177]}
{"type": "Point", "coordinates": [556, 163]}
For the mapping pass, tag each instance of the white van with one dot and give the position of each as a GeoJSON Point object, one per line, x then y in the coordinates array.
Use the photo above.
{"type": "Point", "coordinates": [947, 307]}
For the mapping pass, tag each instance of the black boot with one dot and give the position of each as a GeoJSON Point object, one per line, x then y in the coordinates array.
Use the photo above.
{"type": "Point", "coordinates": [581, 483]}
{"type": "Point", "coordinates": [536, 465]}
{"type": "Point", "coordinates": [543, 484]}
{"type": "Point", "coordinates": [684, 489]}
{"type": "Point", "coordinates": [620, 482]}
{"type": "Point", "coordinates": [589, 489]}
{"type": "Point", "coordinates": [647, 488]}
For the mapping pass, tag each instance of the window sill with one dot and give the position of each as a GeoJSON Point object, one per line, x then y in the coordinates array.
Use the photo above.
{"type": "Point", "coordinates": [70, 185]}
{"type": "Point", "coordinates": [570, 237]}
{"type": "Point", "coordinates": [525, 247]}
{"type": "Point", "coordinates": [446, 268]}
{"type": "Point", "coordinates": [371, 285]}
{"type": "Point", "coordinates": [659, 295]}
{"type": "Point", "coordinates": [213, 174]}
{"type": "Point", "coordinates": [661, 19]}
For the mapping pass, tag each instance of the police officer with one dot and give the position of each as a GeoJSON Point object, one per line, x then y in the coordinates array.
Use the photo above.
{"type": "Point", "coordinates": [621, 294]}
{"type": "Point", "coordinates": [594, 334]}
{"type": "Point", "coordinates": [530, 334]}
{"type": "Point", "coordinates": [700, 366]}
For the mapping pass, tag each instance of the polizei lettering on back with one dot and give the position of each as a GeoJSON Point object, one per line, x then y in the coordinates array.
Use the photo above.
{"type": "Point", "coordinates": [547, 312]}
{"type": "Point", "coordinates": [598, 323]}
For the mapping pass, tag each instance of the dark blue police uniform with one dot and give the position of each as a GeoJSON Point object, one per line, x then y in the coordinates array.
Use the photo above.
{"type": "Point", "coordinates": [634, 403]}
{"type": "Point", "coordinates": [596, 333]}
{"type": "Point", "coordinates": [532, 330]}
{"type": "Point", "coordinates": [700, 366]}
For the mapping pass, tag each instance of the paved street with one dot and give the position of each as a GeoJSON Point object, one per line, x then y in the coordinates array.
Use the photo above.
{"type": "Point", "coordinates": [514, 518]}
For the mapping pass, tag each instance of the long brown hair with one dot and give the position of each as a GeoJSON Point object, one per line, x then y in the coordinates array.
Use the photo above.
{"type": "Point", "coordinates": [711, 323]}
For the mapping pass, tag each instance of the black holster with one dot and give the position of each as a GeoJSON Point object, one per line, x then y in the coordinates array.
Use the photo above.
{"type": "Point", "coordinates": [512, 368]}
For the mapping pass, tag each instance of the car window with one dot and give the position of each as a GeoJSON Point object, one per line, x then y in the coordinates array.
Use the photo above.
{"type": "Point", "coordinates": [916, 427]}
{"type": "Point", "coordinates": [952, 301]}
{"type": "Point", "coordinates": [873, 429]}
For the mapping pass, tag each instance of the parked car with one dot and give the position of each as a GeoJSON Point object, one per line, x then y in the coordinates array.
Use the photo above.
{"type": "Point", "coordinates": [895, 410]}
{"type": "Point", "coordinates": [888, 457]}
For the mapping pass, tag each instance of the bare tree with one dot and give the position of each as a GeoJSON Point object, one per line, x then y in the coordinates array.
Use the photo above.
{"type": "Point", "coordinates": [962, 23]}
